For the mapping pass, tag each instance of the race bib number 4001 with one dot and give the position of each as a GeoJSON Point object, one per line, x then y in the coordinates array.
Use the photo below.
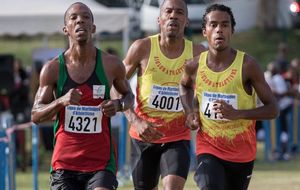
{"type": "Point", "coordinates": [208, 102]}
{"type": "Point", "coordinates": [83, 119]}
{"type": "Point", "coordinates": [165, 98]}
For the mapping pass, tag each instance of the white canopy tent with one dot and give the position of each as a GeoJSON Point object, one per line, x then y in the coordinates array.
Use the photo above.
{"type": "Point", "coordinates": [46, 16]}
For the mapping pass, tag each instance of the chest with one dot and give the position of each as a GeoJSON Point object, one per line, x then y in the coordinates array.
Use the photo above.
{"type": "Point", "coordinates": [80, 73]}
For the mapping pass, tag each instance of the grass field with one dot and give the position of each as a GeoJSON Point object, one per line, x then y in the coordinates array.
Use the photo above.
{"type": "Point", "coordinates": [266, 176]}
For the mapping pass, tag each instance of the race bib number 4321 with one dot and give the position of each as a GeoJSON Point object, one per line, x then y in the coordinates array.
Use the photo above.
{"type": "Point", "coordinates": [208, 102]}
{"type": "Point", "coordinates": [83, 119]}
{"type": "Point", "coordinates": [165, 98]}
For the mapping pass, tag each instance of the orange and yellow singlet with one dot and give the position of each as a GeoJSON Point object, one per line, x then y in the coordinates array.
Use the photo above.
{"type": "Point", "coordinates": [158, 98]}
{"type": "Point", "coordinates": [231, 140]}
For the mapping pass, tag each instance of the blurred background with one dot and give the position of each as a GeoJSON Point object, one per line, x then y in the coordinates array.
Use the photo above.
{"type": "Point", "coordinates": [31, 34]}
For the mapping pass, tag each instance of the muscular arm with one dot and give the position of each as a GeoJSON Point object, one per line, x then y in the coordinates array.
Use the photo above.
{"type": "Point", "coordinates": [188, 99]}
{"type": "Point", "coordinates": [253, 75]}
{"type": "Point", "coordinates": [121, 85]}
{"type": "Point", "coordinates": [135, 61]}
{"type": "Point", "coordinates": [186, 85]}
{"type": "Point", "coordinates": [44, 108]}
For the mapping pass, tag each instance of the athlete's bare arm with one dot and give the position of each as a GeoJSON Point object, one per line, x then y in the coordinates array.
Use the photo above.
{"type": "Point", "coordinates": [186, 87]}
{"type": "Point", "coordinates": [137, 57]}
{"type": "Point", "coordinates": [253, 77]}
{"type": "Point", "coordinates": [136, 60]}
{"type": "Point", "coordinates": [256, 77]}
{"type": "Point", "coordinates": [115, 72]}
{"type": "Point", "coordinates": [186, 84]}
{"type": "Point", "coordinates": [45, 107]}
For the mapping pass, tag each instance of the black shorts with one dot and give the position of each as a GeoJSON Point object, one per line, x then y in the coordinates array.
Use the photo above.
{"type": "Point", "coordinates": [74, 180]}
{"type": "Point", "coordinates": [149, 161]}
{"type": "Point", "coordinates": [216, 174]}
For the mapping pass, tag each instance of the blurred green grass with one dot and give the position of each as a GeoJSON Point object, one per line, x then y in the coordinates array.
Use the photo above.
{"type": "Point", "coordinates": [267, 175]}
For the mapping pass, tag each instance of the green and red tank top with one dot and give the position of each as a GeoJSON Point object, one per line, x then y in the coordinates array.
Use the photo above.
{"type": "Point", "coordinates": [83, 139]}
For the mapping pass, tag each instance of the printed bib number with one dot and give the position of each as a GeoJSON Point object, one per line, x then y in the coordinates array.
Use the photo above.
{"type": "Point", "coordinates": [207, 104]}
{"type": "Point", "coordinates": [165, 98]}
{"type": "Point", "coordinates": [83, 119]}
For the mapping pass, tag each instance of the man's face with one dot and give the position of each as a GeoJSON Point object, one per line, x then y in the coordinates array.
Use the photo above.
{"type": "Point", "coordinates": [218, 30]}
{"type": "Point", "coordinates": [173, 17]}
{"type": "Point", "coordinates": [79, 23]}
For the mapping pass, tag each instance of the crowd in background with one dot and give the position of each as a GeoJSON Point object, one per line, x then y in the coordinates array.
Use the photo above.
{"type": "Point", "coordinates": [282, 75]}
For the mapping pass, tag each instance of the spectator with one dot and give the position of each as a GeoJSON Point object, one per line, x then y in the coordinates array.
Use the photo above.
{"type": "Point", "coordinates": [282, 61]}
{"type": "Point", "coordinates": [282, 91]}
{"type": "Point", "coordinates": [19, 107]}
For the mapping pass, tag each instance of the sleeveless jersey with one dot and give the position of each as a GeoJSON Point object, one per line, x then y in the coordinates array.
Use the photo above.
{"type": "Point", "coordinates": [82, 134]}
{"type": "Point", "coordinates": [158, 93]}
{"type": "Point", "coordinates": [231, 140]}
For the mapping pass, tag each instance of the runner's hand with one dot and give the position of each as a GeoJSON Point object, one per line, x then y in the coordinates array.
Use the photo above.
{"type": "Point", "coordinates": [109, 107]}
{"type": "Point", "coordinates": [72, 97]}
{"type": "Point", "coordinates": [193, 121]}
{"type": "Point", "coordinates": [147, 131]}
{"type": "Point", "coordinates": [226, 110]}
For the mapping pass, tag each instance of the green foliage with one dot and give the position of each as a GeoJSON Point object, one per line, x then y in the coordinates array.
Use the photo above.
{"type": "Point", "coordinates": [262, 45]}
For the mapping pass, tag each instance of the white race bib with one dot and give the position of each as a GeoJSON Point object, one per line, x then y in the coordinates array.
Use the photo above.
{"type": "Point", "coordinates": [207, 104]}
{"type": "Point", "coordinates": [83, 119]}
{"type": "Point", "coordinates": [165, 98]}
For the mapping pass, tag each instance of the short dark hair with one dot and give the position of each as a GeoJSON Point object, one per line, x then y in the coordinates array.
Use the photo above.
{"type": "Point", "coordinates": [218, 7]}
{"type": "Point", "coordinates": [65, 15]}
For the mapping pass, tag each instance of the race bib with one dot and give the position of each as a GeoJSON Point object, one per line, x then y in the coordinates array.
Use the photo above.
{"type": "Point", "coordinates": [83, 119]}
{"type": "Point", "coordinates": [165, 98]}
{"type": "Point", "coordinates": [207, 104]}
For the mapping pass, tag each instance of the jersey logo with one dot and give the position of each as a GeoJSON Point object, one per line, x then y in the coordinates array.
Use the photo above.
{"type": "Point", "coordinates": [98, 91]}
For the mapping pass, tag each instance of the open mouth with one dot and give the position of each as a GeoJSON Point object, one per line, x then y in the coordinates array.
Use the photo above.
{"type": "Point", "coordinates": [80, 30]}
{"type": "Point", "coordinates": [173, 24]}
{"type": "Point", "coordinates": [219, 39]}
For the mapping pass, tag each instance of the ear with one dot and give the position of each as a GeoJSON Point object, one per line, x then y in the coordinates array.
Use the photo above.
{"type": "Point", "coordinates": [93, 28]}
{"type": "Point", "coordinates": [204, 32]}
{"type": "Point", "coordinates": [187, 23]}
{"type": "Point", "coordinates": [65, 30]}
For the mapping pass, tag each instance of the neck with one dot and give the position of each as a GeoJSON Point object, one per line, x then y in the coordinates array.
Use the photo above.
{"type": "Point", "coordinates": [171, 46]}
{"type": "Point", "coordinates": [81, 53]}
{"type": "Point", "coordinates": [219, 56]}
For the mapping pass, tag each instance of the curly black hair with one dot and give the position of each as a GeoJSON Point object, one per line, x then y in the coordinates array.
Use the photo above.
{"type": "Point", "coordinates": [218, 7]}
